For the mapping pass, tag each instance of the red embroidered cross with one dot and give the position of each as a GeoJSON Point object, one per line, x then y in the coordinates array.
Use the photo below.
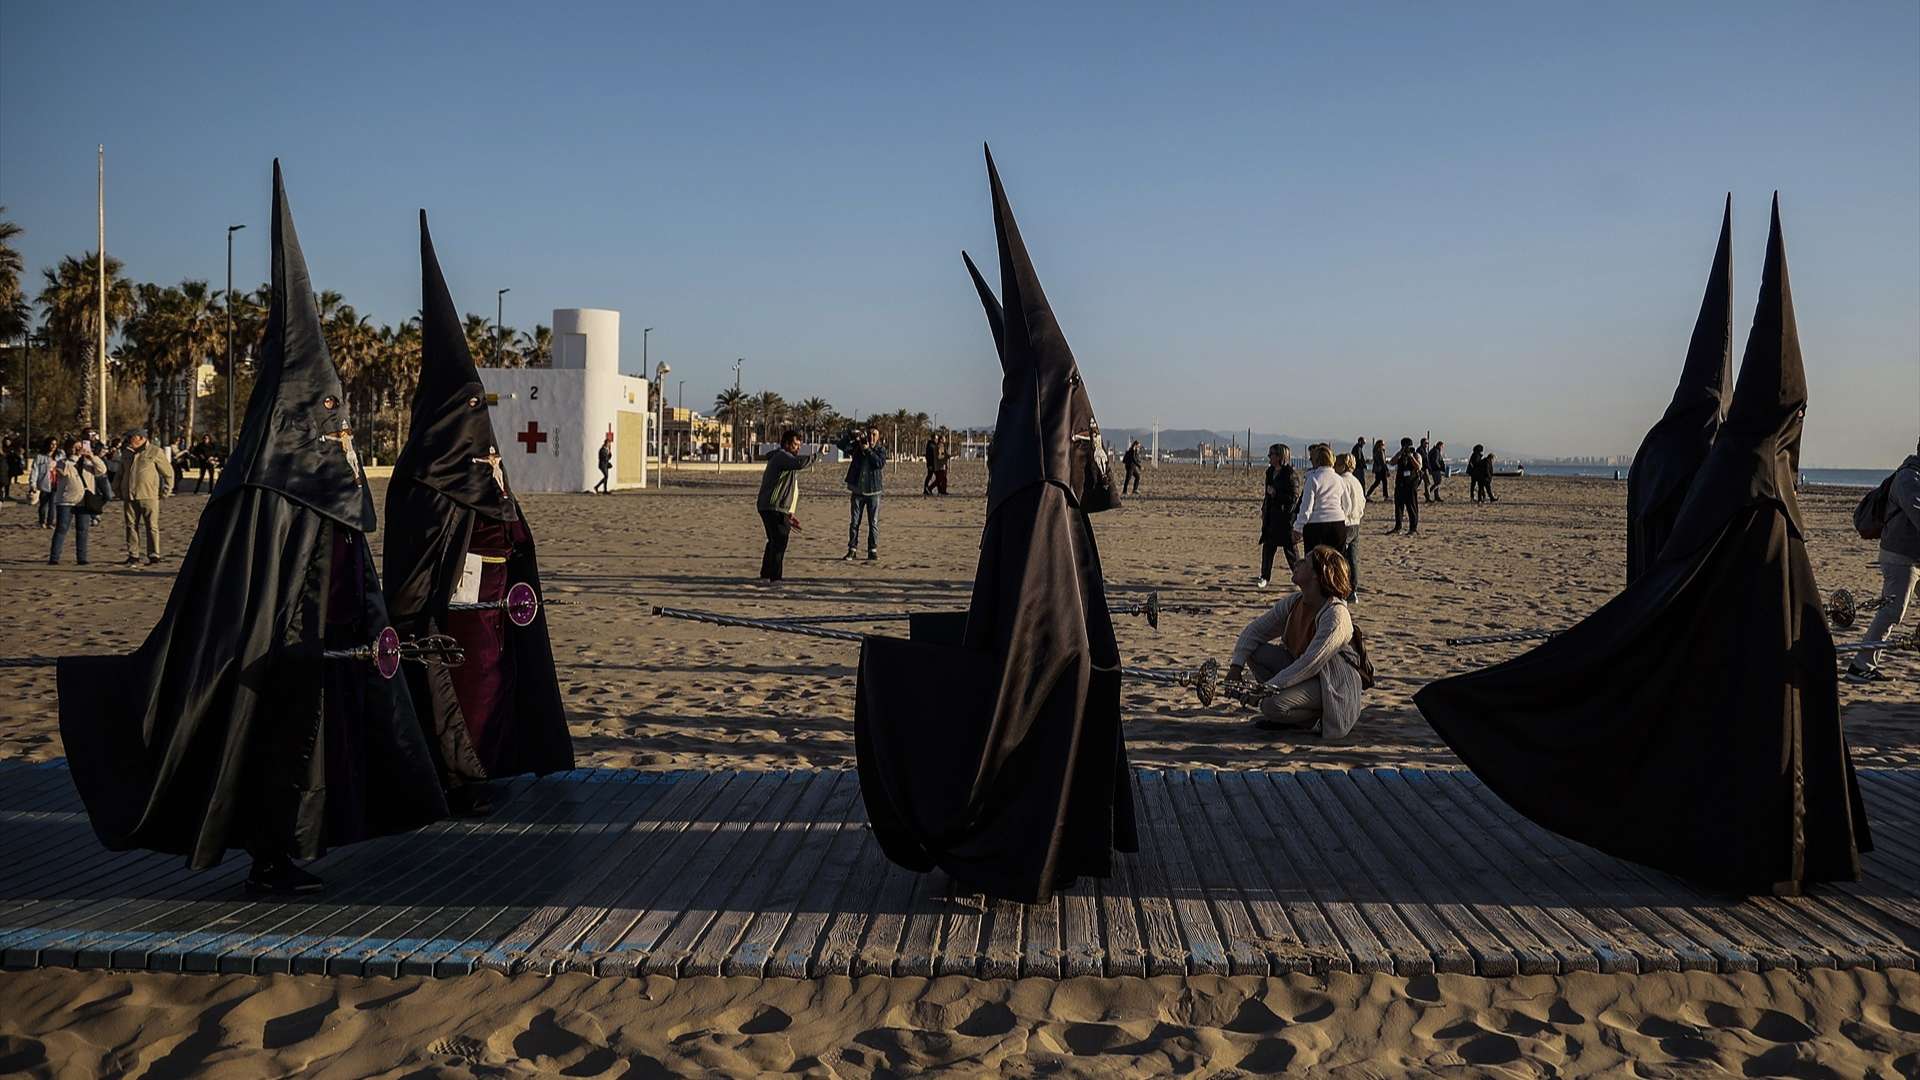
{"type": "Point", "coordinates": [533, 436]}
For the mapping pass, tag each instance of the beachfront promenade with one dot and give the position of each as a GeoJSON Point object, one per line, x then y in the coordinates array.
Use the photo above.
{"type": "Point", "coordinates": [773, 873]}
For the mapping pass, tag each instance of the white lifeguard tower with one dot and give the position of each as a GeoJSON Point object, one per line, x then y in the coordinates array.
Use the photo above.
{"type": "Point", "coordinates": [552, 421]}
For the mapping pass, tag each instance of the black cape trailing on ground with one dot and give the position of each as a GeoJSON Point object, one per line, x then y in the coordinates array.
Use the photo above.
{"type": "Point", "coordinates": [1693, 723]}
{"type": "Point", "coordinates": [998, 756]}
{"type": "Point", "coordinates": [227, 729]}
{"type": "Point", "coordinates": [1676, 446]}
{"type": "Point", "coordinates": [451, 513]}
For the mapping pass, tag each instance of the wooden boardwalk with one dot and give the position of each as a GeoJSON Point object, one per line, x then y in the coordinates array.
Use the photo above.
{"type": "Point", "coordinates": [773, 874]}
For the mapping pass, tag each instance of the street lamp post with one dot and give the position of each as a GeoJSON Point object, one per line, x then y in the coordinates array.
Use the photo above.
{"type": "Point", "coordinates": [659, 444]}
{"type": "Point", "coordinates": [499, 332]}
{"type": "Point", "coordinates": [231, 229]}
{"type": "Point", "coordinates": [660, 381]}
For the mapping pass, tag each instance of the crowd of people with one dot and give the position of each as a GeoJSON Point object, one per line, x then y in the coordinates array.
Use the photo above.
{"type": "Point", "coordinates": [70, 480]}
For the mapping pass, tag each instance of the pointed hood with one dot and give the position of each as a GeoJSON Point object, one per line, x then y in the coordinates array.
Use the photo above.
{"type": "Point", "coordinates": [1756, 454]}
{"type": "Point", "coordinates": [1046, 431]}
{"type": "Point", "coordinates": [451, 441]}
{"type": "Point", "coordinates": [297, 437]}
{"type": "Point", "coordinates": [1676, 446]}
{"type": "Point", "coordinates": [996, 319]}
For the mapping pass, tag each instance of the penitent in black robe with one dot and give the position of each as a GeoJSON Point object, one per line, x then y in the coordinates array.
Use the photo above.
{"type": "Point", "coordinates": [500, 712]}
{"type": "Point", "coordinates": [999, 757]}
{"type": "Point", "coordinates": [1693, 723]}
{"type": "Point", "coordinates": [227, 728]}
{"type": "Point", "coordinates": [1676, 446]}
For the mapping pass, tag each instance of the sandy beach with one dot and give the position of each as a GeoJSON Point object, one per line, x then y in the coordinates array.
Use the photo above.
{"type": "Point", "coordinates": [650, 693]}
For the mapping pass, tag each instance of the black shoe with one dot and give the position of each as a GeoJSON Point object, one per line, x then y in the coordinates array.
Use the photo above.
{"type": "Point", "coordinates": [279, 877]}
{"type": "Point", "coordinates": [469, 801]}
{"type": "Point", "coordinates": [131, 561]}
{"type": "Point", "coordinates": [1861, 676]}
{"type": "Point", "coordinates": [151, 559]}
{"type": "Point", "coordinates": [848, 557]}
{"type": "Point", "coordinates": [873, 556]}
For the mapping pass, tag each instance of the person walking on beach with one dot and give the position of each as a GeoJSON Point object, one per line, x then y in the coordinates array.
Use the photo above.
{"type": "Point", "coordinates": [937, 458]}
{"type": "Point", "coordinates": [606, 466]}
{"type": "Point", "coordinates": [1436, 470]}
{"type": "Point", "coordinates": [865, 482]}
{"type": "Point", "coordinates": [207, 456]}
{"type": "Point", "coordinates": [1899, 565]}
{"type": "Point", "coordinates": [40, 479]}
{"type": "Point", "coordinates": [74, 478]}
{"type": "Point", "coordinates": [1356, 509]}
{"type": "Point", "coordinates": [1359, 456]}
{"type": "Point", "coordinates": [1276, 511]}
{"type": "Point", "coordinates": [145, 479]}
{"type": "Point", "coordinates": [1131, 459]}
{"type": "Point", "coordinates": [1307, 652]}
{"type": "Point", "coordinates": [1408, 465]}
{"type": "Point", "coordinates": [779, 501]}
{"type": "Point", "coordinates": [1325, 498]}
{"type": "Point", "coordinates": [1380, 470]}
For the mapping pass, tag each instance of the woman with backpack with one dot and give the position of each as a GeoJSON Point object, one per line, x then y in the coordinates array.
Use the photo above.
{"type": "Point", "coordinates": [1308, 652]}
{"type": "Point", "coordinates": [1891, 513]}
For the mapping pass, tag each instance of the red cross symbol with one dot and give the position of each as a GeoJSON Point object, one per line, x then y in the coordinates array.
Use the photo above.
{"type": "Point", "coordinates": [533, 436]}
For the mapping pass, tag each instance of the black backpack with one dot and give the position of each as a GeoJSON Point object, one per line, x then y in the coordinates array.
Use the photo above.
{"type": "Point", "coordinates": [1871, 513]}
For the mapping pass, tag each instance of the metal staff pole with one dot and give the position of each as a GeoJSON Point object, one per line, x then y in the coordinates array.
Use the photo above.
{"type": "Point", "coordinates": [1149, 608]}
{"type": "Point", "coordinates": [1494, 639]}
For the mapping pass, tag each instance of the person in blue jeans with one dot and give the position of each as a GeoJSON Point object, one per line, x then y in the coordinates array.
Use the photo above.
{"type": "Point", "coordinates": [73, 480]}
{"type": "Point", "coordinates": [867, 462]}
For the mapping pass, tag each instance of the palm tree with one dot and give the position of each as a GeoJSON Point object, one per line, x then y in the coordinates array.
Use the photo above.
{"type": "Point", "coordinates": [769, 409]}
{"type": "Point", "coordinates": [482, 343]}
{"type": "Point", "coordinates": [811, 415]}
{"type": "Point", "coordinates": [15, 315]}
{"type": "Point", "coordinates": [72, 299]}
{"type": "Point", "coordinates": [535, 349]}
{"type": "Point", "coordinates": [731, 406]}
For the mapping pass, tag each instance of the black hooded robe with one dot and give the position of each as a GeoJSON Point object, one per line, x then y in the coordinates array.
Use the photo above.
{"type": "Point", "coordinates": [500, 712]}
{"type": "Point", "coordinates": [1675, 447]}
{"type": "Point", "coordinates": [1693, 723]}
{"type": "Point", "coordinates": [226, 728]}
{"type": "Point", "coordinates": [1000, 758]}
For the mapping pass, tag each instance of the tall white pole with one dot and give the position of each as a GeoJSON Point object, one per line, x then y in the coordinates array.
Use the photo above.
{"type": "Point", "coordinates": [100, 288]}
{"type": "Point", "coordinates": [1156, 444]}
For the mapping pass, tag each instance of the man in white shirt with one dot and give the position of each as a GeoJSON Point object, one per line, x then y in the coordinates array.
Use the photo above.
{"type": "Point", "coordinates": [1348, 467]}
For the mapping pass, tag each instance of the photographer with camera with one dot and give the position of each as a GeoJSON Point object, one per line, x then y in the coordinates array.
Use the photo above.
{"type": "Point", "coordinates": [864, 484]}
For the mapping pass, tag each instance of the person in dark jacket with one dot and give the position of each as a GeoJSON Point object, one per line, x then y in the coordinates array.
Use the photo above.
{"type": "Point", "coordinates": [1276, 511]}
{"type": "Point", "coordinates": [1436, 471]}
{"type": "Point", "coordinates": [1131, 460]}
{"type": "Point", "coordinates": [1899, 565]}
{"type": "Point", "coordinates": [865, 481]}
{"type": "Point", "coordinates": [1360, 465]}
{"type": "Point", "coordinates": [1408, 466]}
{"type": "Point", "coordinates": [1380, 470]}
{"type": "Point", "coordinates": [779, 501]}
{"type": "Point", "coordinates": [606, 465]}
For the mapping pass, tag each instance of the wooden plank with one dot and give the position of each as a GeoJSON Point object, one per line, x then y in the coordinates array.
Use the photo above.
{"type": "Point", "coordinates": [1482, 928]}
{"type": "Point", "coordinates": [805, 933]}
{"type": "Point", "coordinates": [1001, 957]}
{"type": "Point", "coordinates": [1274, 935]}
{"type": "Point", "coordinates": [1410, 955]}
{"type": "Point", "coordinates": [1164, 844]}
{"type": "Point", "coordinates": [1284, 879]}
{"type": "Point", "coordinates": [507, 899]}
{"type": "Point", "coordinates": [1681, 900]}
{"type": "Point", "coordinates": [1160, 914]}
{"type": "Point", "coordinates": [1118, 932]}
{"type": "Point", "coordinates": [880, 945]}
{"type": "Point", "coordinates": [389, 921]}
{"type": "Point", "coordinates": [57, 903]}
{"type": "Point", "coordinates": [1616, 944]}
{"type": "Point", "coordinates": [572, 879]}
{"type": "Point", "coordinates": [775, 909]}
{"type": "Point", "coordinates": [1040, 955]}
{"type": "Point", "coordinates": [920, 937]}
{"type": "Point", "coordinates": [1358, 943]}
{"type": "Point", "coordinates": [1081, 953]}
{"type": "Point", "coordinates": [720, 910]}
{"type": "Point", "coordinates": [707, 845]}
{"type": "Point", "coordinates": [841, 941]}
{"type": "Point", "coordinates": [1246, 952]}
{"type": "Point", "coordinates": [960, 943]}
{"type": "Point", "coordinates": [1576, 941]}
{"type": "Point", "coordinates": [636, 848]}
{"type": "Point", "coordinates": [283, 928]}
{"type": "Point", "coordinates": [1398, 885]}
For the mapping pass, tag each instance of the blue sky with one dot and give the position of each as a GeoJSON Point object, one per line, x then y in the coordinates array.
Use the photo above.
{"type": "Point", "coordinates": [1494, 222]}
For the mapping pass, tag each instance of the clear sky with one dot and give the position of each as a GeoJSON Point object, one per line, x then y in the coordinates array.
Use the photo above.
{"type": "Point", "coordinates": [1491, 220]}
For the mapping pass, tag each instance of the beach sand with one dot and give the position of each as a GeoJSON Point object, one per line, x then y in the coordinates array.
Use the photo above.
{"type": "Point", "coordinates": [652, 693]}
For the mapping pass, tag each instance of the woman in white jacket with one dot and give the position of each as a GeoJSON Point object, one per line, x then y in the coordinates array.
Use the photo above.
{"type": "Point", "coordinates": [1325, 503]}
{"type": "Point", "coordinates": [1307, 652]}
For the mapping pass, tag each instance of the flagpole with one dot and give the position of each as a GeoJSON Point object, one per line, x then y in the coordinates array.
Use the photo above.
{"type": "Point", "coordinates": [100, 290]}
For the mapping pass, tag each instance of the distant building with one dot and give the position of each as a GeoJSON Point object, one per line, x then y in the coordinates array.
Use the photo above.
{"type": "Point", "coordinates": [553, 421]}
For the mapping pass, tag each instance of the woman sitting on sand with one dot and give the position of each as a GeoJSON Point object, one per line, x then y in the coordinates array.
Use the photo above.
{"type": "Point", "coordinates": [1307, 651]}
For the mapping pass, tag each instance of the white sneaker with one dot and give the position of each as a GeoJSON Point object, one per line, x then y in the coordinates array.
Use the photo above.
{"type": "Point", "coordinates": [1259, 583]}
